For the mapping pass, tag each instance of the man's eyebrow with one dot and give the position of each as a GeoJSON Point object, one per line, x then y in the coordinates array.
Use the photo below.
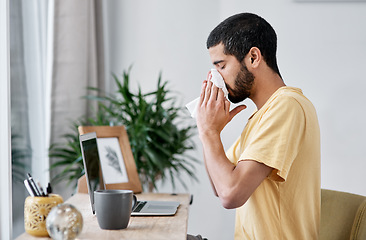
{"type": "Point", "coordinates": [217, 62]}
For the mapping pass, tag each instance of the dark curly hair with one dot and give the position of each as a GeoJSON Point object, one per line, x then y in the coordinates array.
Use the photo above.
{"type": "Point", "coordinates": [240, 32]}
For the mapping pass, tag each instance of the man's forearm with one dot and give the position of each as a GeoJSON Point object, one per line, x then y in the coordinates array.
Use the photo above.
{"type": "Point", "coordinates": [209, 177]}
{"type": "Point", "coordinates": [234, 184]}
{"type": "Point", "coordinates": [218, 166]}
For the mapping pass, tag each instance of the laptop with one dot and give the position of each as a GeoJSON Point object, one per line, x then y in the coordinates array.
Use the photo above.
{"type": "Point", "coordinates": [89, 150]}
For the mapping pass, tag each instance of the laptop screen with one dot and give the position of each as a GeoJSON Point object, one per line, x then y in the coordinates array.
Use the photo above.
{"type": "Point", "coordinates": [89, 149]}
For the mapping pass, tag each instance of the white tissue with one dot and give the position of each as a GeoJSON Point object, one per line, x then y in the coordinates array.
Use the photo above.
{"type": "Point", "coordinates": [218, 81]}
{"type": "Point", "coordinates": [215, 79]}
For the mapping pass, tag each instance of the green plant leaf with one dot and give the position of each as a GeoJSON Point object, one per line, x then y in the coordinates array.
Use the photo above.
{"type": "Point", "coordinates": [159, 131]}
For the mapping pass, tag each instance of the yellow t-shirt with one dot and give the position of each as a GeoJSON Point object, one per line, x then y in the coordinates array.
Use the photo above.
{"type": "Point", "coordinates": [283, 134]}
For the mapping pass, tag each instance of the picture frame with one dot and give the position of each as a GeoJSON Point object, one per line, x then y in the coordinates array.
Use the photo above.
{"type": "Point", "coordinates": [117, 163]}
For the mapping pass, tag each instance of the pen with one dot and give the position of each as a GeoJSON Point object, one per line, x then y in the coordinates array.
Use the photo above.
{"type": "Point", "coordinates": [49, 188]}
{"type": "Point", "coordinates": [33, 184]}
{"type": "Point", "coordinates": [41, 189]}
{"type": "Point", "coordinates": [29, 188]}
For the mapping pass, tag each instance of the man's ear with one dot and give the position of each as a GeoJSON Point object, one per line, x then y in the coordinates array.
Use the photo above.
{"type": "Point", "coordinates": [254, 57]}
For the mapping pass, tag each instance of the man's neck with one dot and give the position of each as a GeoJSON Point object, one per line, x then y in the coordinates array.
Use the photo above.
{"type": "Point", "coordinates": [264, 87]}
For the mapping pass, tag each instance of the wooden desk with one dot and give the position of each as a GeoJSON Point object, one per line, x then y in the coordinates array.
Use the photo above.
{"type": "Point", "coordinates": [160, 228]}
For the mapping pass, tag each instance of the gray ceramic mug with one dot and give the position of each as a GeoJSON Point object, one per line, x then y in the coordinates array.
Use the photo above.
{"type": "Point", "coordinates": [113, 208]}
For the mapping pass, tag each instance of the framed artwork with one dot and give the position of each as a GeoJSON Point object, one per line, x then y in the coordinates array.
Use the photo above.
{"type": "Point", "coordinates": [111, 161]}
{"type": "Point", "coordinates": [116, 160]}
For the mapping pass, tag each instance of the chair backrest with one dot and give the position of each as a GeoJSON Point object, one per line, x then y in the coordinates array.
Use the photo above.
{"type": "Point", "coordinates": [359, 225]}
{"type": "Point", "coordinates": [342, 216]}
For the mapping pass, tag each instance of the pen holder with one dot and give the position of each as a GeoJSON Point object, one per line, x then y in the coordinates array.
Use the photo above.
{"type": "Point", "coordinates": [36, 210]}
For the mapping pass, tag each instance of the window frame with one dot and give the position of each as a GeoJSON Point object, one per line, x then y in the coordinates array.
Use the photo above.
{"type": "Point", "coordinates": [5, 140]}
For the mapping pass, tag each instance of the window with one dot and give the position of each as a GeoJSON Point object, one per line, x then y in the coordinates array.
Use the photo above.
{"type": "Point", "coordinates": [5, 163]}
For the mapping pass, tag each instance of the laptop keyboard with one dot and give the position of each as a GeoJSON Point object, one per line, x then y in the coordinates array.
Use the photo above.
{"type": "Point", "coordinates": [139, 206]}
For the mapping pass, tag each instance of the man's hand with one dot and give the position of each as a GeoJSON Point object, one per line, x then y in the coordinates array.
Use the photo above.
{"type": "Point", "coordinates": [232, 184]}
{"type": "Point", "coordinates": [213, 111]}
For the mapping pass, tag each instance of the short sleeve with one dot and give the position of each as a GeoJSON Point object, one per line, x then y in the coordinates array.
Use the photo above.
{"type": "Point", "coordinates": [278, 137]}
{"type": "Point", "coordinates": [231, 152]}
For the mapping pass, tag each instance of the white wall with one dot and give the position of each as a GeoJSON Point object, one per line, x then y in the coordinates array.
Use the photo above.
{"type": "Point", "coordinates": [321, 49]}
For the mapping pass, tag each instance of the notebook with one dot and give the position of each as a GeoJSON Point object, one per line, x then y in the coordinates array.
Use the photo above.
{"type": "Point", "coordinates": [89, 149]}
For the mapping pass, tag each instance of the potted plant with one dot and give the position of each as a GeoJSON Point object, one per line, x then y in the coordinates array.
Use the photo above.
{"type": "Point", "coordinates": [159, 133]}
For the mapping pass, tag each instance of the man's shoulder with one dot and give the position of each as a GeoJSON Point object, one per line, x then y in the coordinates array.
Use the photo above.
{"type": "Point", "coordinates": [292, 96]}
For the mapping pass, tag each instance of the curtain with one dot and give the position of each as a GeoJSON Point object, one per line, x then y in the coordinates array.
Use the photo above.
{"type": "Point", "coordinates": [56, 52]}
{"type": "Point", "coordinates": [77, 63]}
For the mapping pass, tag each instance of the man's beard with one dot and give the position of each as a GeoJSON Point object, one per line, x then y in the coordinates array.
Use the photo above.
{"type": "Point", "coordinates": [243, 84]}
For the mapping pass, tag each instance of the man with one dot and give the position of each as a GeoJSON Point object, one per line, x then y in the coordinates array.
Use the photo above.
{"type": "Point", "coordinates": [271, 174]}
